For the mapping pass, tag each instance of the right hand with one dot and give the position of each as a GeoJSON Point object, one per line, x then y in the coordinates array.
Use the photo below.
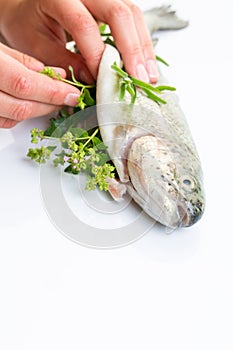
{"type": "Point", "coordinates": [25, 93]}
{"type": "Point", "coordinates": [39, 28]}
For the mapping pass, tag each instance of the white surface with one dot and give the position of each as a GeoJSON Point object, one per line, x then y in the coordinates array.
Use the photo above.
{"type": "Point", "coordinates": [162, 292]}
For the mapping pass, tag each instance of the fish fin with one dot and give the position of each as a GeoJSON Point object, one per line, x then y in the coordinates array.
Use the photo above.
{"type": "Point", "coordinates": [163, 18]}
{"type": "Point", "coordinates": [116, 189]}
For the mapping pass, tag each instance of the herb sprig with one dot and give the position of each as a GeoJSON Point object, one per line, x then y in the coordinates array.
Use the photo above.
{"type": "Point", "coordinates": [85, 99]}
{"type": "Point", "coordinates": [160, 59]}
{"type": "Point", "coordinates": [130, 84]}
{"type": "Point", "coordinates": [81, 152]}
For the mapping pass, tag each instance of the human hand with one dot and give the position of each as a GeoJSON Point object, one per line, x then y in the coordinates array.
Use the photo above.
{"type": "Point", "coordinates": [25, 93]}
{"type": "Point", "coordinates": [39, 28]}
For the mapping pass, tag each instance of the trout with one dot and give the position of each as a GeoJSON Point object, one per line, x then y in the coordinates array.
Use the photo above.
{"type": "Point", "coordinates": [150, 143]}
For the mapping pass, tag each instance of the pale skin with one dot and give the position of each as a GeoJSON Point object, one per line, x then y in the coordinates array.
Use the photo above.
{"type": "Point", "coordinates": [36, 34]}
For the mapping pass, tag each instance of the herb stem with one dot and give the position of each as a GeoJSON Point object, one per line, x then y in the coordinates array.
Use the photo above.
{"type": "Point", "coordinates": [78, 84]}
{"type": "Point", "coordinates": [48, 138]}
{"type": "Point", "coordinates": [91, 137]}
{"type": "Point", "coordinates": [129, 83]}
{"type": "Point", "coordinates": [119, 71]}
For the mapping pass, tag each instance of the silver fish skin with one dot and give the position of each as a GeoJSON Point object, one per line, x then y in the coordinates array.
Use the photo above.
{"type": "Point", "coordinates": [152, 149]}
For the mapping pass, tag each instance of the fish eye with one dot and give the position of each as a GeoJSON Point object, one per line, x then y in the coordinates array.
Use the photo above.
{"type": "Point", "coordinates": [187, 182]}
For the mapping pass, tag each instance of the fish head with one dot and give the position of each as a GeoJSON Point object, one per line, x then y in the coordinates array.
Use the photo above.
{"type": "Point", "coordinates": [167, 186]}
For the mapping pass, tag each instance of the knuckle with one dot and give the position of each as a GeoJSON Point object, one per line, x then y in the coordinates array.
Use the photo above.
{"type": "Point", "coordinates": [120, 10]}
{"type": "Point", "coordinates": [22, 86]}
{"type": "Point", "coordinates": [135, 51]}
{"type": "Point", "coordinates": [26, 60]}
{"type": "Point", "coordinates": [147, 46]}
{"type": "Point", "coordinates": [21, 111]}
{"type": "Point", "coordinates": [136, 11]}
{"type": "Point", "coordinates": [54, 94]}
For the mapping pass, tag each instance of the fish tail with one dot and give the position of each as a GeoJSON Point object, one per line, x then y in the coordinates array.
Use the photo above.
{"type": "Point", "coordinates": [163, 18]}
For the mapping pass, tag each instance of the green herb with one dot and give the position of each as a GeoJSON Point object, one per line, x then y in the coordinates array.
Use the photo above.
{"type": "Point", "coordinates": [81, 152]}
{"type": "Point", "coordinates": [130, 84]}
{"type": "Point", "coordinates": [102, 29]}
{"type": "Point", "coordinates": [158, 58]}
{"type": "Point", "coordinates": [40, 155]}
{"type": "Point", "coordinates": [85, 98]}
{"type": "Point", "coordinates": [108, 35]}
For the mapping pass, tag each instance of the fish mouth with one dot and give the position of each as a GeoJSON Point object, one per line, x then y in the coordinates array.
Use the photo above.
{"type": "Point", "coordinates": [170, 213]}
{"type": "Point", "coordinates": [189, 214]}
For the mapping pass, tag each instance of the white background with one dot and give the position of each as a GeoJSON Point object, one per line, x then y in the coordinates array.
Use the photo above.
{"type": "Point", "coordinates": [163, 291]}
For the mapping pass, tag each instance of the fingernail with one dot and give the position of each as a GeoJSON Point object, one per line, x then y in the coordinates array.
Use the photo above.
{"type": "Point", "coordinates": [37, 66]}
{"type": "Point", "coordinates": [142, 73]}
{"type": "Point", "coordinates": [60, 71]}
{"type": "Point", "coordinates": [152, 70]}
{"type": "Point", "coordinates": [71, 99]}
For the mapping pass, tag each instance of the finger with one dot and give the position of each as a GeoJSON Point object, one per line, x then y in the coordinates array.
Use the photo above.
{"type": "Point", "coordinates": [145, 40]}
{"type": "Point", "coordinates": [28, 61]}
{"type": "Point", "coordinates": [23, 83]}
{"type": "Point", "coordinates": [122, 24]}
{"type": "Point", "coordinates": [18, 110]}
{"type": "Point", "coordinates": [74, 17]}
{"type": "Point", "coordinates": [7, 123]}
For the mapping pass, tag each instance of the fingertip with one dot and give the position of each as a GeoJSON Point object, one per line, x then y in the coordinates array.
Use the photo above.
{"type": "Point", "coordinates": [60, 71]}
{"type": "Point", "coordinates": [71, 99]}
{"type": "Point", "coordinates": [152, 70]}
{"type": "Point", "coordinates": [6, 123]}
